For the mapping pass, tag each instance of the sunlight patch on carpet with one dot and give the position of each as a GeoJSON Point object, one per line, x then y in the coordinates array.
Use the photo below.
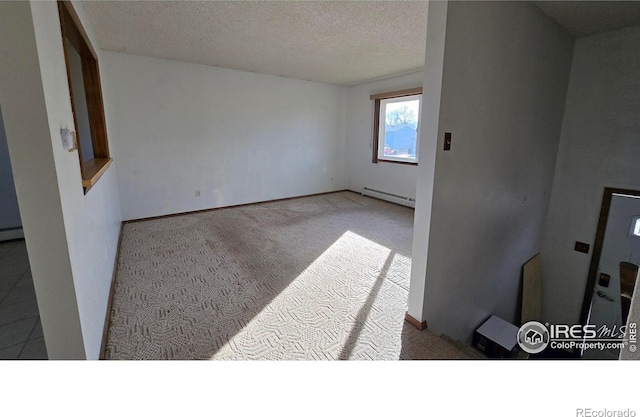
{"type": "Point", "coordinates": [314, 316]}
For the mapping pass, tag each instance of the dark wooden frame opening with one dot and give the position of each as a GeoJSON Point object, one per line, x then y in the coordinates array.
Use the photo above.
{"type": "Point", "coordinates": [376, 119]}
{"type": "Point", "coordinates": [597, 247]}
{"type": "Point", "coordinates": [72, 31]}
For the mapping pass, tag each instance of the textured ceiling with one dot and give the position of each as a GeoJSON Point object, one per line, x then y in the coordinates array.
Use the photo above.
{"type": "Point", "coordinates": [337, 42]}
{"type": "Point", "coordinates": [582, 18]}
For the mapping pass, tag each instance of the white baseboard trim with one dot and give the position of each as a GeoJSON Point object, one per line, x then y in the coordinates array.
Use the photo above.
{"type": "Point", "coordinates": [11, 234]}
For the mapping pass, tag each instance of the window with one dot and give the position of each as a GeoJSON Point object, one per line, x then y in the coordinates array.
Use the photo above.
{"type": "Point", "coordinates": [395, 126]}
{"type": "Point", "coordinates": [86, 98]}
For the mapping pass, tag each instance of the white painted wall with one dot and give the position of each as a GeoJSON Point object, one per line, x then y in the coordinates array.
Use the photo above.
{"type": "Point", "coordinates": [431, 95]}
{"type": "Point", "coordinates": [361, 172]}
{"type": "Point", "coordinates": [238, 137]}
{"type": "Point", "coordinates": [71, 237]}
{"type": "Point", "coordinates": [9, 212]}
{"type": "Point", "coordinates": [506, 68]}
{"type": "Point", "coordinates": [599, 148]}
{"type": "Point", "coordinates": [31, 149]}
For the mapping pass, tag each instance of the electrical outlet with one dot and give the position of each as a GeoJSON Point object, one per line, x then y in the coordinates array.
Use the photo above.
{"type": "Point", "coordinates": [197, 193]}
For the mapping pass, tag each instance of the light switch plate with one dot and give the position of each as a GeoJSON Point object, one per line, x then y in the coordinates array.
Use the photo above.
{"type": "Point", "coordinates": [582, 247]}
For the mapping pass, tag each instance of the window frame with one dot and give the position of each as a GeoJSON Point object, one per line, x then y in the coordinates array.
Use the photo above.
{"type": "Point", "coordinates": [72, 30]}
{"type": "Point", "coordinates": [378, 123]}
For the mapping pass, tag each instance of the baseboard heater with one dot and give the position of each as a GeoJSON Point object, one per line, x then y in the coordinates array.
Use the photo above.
{"type": "Point", "coordinates": [394, 198]}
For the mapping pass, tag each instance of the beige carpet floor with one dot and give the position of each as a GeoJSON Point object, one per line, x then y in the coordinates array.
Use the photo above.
{"type": "Point", "coordinates": [321, 277]}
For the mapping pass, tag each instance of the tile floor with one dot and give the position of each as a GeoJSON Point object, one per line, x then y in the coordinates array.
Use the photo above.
{"type": "Point", "coordinates": [21, 334]}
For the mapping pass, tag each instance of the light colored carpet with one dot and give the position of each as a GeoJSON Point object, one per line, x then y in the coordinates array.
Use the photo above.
{"type": "Point", "coordinates": [322, 277]}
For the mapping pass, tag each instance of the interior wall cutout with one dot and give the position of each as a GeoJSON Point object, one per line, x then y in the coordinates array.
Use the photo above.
{"type": "Point", "coordinates": [83, 76]}
{"type": "Point", "coordinates": [80, 102]}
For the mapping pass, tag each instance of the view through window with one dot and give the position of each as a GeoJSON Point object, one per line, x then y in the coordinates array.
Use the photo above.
{"type": "Point", "coordinates": [396, 122]}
